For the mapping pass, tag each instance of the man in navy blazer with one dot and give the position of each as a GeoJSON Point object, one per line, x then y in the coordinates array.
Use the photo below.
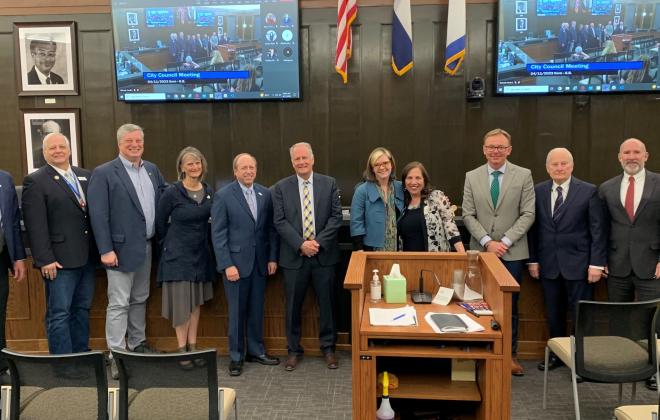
{"type": "Point", "coordinates": [122, 203]}
{"type": "Point", "coordinates": [567, 243]}
{"type": "Point", "coordinates": [245, 244]}
{"type": "Point", "coordinates": [12, 253]}
{"type": "Point", "coordinates": [307, 216]}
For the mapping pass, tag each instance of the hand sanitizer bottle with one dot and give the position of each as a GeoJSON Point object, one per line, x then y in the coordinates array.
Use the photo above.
{"type": "Point", "coordinates": [375, 288]}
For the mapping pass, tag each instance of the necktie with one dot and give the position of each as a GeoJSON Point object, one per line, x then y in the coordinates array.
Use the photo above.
{"type": "Point", "coordinates": [308, 213]}
{"type": "Point", "coordinates": [495, 187]}
{"type": "Point", "coordinates": [73, 185]}
{"type": "Point", "coordinates": [630, 198]}
{"type": "Point", "coordinates": [251, 203]}
{"type": "Point", "coordinates": [48, 81]}
{"type": "Point", "coordinates": [558, 202]}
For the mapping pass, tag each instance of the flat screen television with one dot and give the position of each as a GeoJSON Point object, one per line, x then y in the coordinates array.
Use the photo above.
{"type": "Point", "coordinates": [206, 50]}
{"type": "Point", "coordinates": [577, 46]}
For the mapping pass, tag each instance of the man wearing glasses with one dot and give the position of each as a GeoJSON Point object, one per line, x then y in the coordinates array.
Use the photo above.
{"type": "Point", "coordinates": [43, 54]}
{"type": "Point", "coordinates": [498, 210]}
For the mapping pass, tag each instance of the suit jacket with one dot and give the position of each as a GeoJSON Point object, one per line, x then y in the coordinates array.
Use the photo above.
{"type": "Point", "coordinates": [117, 218]}
{"type": "Point", "coordinates": [576, 239]}
{"type": "Point", "coordinates": [33, 78]}
{"type": "Point", "coordinates": [513, 216]}
{"type": "Point", "coordinates": [57, 225]}
{"type": "Point", "coordinates": [11, 218]}
{"type": "Point", "coordinates": [634, 246]}
{"type": "Point", "coordinates": [238, 239]}
{"type": "Point", "coordinates": [287, 217]}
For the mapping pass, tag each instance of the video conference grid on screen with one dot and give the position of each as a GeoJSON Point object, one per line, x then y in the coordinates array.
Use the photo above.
{"type": "Point", "coordinates": [577, 46]}
{"type": "Point", "coordinates": [176, 50]}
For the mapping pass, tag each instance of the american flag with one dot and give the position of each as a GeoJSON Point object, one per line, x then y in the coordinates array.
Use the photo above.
{"type": "Point", "coordinates": [346, 14]}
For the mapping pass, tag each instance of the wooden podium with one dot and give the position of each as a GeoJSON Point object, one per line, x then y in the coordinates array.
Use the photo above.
{"type": "Point", "coordinates": [420, 357]}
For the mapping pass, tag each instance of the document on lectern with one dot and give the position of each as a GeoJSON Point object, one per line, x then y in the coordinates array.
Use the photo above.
{"type": "Point", "coordinates": [395, 317]}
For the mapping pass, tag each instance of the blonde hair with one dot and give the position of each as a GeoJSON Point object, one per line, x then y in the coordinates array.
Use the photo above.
{"type": "Point", "coordinates": [193, 152]}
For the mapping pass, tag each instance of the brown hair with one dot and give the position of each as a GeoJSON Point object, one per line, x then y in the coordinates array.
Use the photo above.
{"type": "Point", "coordinates": [190, 151]}
{"type": "Point", "coordinates": [426, 191]}
{"type": "Point", "coordinates": [497, 131]}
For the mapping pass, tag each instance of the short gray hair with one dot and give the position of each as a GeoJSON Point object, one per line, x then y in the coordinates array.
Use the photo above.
{"type": "Point", "coordinates": [195, 153]}
{"type": "Point", "coordinates": [128, 128]}
{"type": "Point", "coordinates": [303, 144]}
{"type": "Point", "coordinates": [51, 135]}
{"type": "Point", "coordinates": [557, 149]}
{"type": "Point", "coordinates": [240, 155]}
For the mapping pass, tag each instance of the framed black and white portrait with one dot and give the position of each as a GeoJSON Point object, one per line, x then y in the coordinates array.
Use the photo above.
{"type": "Point", "coordinates": [37, 124]}
{"type": "Point", "coordinates": [46, 58]}
{"type": "Point", "coordinates": [617, 20]}
{"type": "Point", "coordinates": [133, 35]}
{"type": "Point", "coordinates": [131, 18]}
{"type": "Point", "coordinates": [617, 9]}
{"type": "Point", "coordinates": [521, 24]}
{"type": "Point", "coordinates": [521, 7]}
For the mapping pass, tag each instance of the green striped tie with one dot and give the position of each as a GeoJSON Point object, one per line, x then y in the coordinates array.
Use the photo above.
{"type": "Point", "coordinates": [495, 188]}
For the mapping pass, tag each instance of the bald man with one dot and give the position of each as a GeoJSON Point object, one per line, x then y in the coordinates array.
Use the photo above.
{"type": "Point", "coordinates": [633, 205]}
{"type": "Point", "coordinates": [567, 243]}
{"type": "Point", "coordinates": [56, 218]}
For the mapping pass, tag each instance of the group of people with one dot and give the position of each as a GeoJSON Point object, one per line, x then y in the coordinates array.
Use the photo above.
{"type": "Point", "coordinates": [564, 231]}
{"type": "Point", "coordinates": [586, 36]}
{"type": "Point", "coordinates": [195, 46]}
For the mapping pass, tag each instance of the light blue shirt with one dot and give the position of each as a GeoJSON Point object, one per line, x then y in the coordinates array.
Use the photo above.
{"type": "Point", "coordinates": [145, 192]}
{"type": "Point", "coordinates": [250, 197]}
{"type": "Point", "coordinates": [483, 241]}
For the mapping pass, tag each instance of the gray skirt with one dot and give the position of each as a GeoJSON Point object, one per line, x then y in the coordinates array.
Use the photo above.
{"type": "Point", "coordinates": [180, 298]}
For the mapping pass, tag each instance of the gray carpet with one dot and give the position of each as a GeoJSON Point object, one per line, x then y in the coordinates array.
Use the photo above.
{"type": "Point", "coordinates": [314, 392]}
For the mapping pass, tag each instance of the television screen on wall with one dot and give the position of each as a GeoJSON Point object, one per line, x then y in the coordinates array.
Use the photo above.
{"type": "Point", "coordinates": [577, 46]}
{"type": "Point", "coordinates": [206, 50]}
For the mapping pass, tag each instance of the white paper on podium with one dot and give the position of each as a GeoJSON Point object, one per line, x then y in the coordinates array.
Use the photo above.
{"type": "Point", "coordinates": [468, 295]}
{"type": "Point", "coordinates": [473, 326]}
{"type": "Point", "coordinates": [395, 317]}
{"type": "Point", "coordinates": [444, 295]}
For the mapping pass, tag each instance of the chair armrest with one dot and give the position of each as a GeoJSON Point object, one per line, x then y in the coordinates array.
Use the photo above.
{"type": "Point", "coordinates": [5, 401]}
{"type": "Point", "coordinates": [113, 403]}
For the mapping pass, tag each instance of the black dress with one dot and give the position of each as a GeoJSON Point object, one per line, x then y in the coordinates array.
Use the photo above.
{"type": "Point", "coordinates": [411, 228]}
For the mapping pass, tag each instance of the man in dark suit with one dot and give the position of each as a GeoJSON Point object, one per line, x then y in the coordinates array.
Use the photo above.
{"type": "Point", "coordinates": [498, 210]}
{"type": "Point", "coordinates": [245, 244]}
{"type": "Point", "coordinates": [567, 243]}
{"type": "Point", "coordinates": [62, 245]}
{"type": "Point", "coordinates": [633, 206]}
{"type": "Point", "coordinates": [43, 54]}
{"type": "Point", "coordinates": [122, 197]}
{"type": "Point", "coordinates": [307, 216]}
{"type": "Point", "coordinates": [12, 253]}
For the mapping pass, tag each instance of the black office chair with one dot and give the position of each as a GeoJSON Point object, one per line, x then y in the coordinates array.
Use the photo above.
{"type": "Point", "coordinates": [613, 343]}
{"type": "Point", "coordinates": [72, 386]}
{"type": "Point", "coordinates": [160, 389]}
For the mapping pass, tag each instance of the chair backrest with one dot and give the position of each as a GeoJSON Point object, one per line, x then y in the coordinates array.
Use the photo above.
{"type": "Point", "coordinates": [163, 374]}
{"type": "Point", "coordinates": [615, 342]}
{"type": "Point", "coordinates": [58, 384]}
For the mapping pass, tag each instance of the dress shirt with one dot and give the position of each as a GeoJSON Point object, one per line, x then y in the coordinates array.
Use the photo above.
{"type": "Point", "coordinates": [42, 77]}
{"type": "Point", "coordinates": [145, 192]}
{"type": "Point", "coordinates": [310, 187]}
{"type": "Point", "coordinates": [553, 193]}
{"type": "Point", "coordinates": [640, 177]}
{"type": "Point", "coordinates": [70, 175]}
{"type": "Point", "coordinates": [483, 241]}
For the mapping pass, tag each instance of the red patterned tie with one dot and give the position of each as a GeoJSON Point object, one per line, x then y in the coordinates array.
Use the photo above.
{"type": "Point", "coordinates": [630, 198]}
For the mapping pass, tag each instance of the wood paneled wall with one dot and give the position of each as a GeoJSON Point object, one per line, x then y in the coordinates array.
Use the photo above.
{"type": "Point", "coordinates": [421, 116]}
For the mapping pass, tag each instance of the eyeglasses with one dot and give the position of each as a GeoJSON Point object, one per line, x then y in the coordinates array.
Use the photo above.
{"type": "Point", "coordinates": [43, 54]}
{"type": "Point", "coordinates": [382, 165]}
{"type": "Point", "coordinates": [496, 148]}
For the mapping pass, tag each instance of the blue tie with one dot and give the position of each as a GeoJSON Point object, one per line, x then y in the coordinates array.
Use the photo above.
{"type": "Point", "coordinates": [558, 203]}
{"type": "Point", "coordinates": [251, 203]}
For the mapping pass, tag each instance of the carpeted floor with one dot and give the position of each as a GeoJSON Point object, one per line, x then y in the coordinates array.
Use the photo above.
{"type": "Point", "coordinates": [314, 392]}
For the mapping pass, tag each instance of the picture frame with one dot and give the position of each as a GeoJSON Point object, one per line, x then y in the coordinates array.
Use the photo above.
{"type": "Point", "coordinates": [521, 7]}
{"type": "Point", "coordinates": [37, 123]}
{"type": "Point", "coordinates": [134, 35]}
{"type": "Point", "coordinates": [617, 20]}
{"type": "Point", "coordinates": [131, 18]}
{"type": "Point", "coordinates": [46, 59]}
{"type": "Point", "coordinates": [617, 9]}
{"type": "Point", "coordinates": [521, 24]}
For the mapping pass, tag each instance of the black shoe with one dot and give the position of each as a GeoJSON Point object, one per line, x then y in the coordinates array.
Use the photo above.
{"type": "Point", "coordinates": [652, 383]}
{"type": "Point", "coordinates": [264, 359]}
{"type": "Point", "coordinates": [553, 363]}
{"type": "Point", "coordinates": [144, 348]}
{"type": "Point", "coordinates": [235, 368]}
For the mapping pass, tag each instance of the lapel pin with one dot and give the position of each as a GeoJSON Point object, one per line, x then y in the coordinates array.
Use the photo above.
{"type": "Point", "coordinates": [56, 177]}
{"type": "Point", "coordinates": [208, 197]}
{"type": "Point", "coordinates": [259, 193]}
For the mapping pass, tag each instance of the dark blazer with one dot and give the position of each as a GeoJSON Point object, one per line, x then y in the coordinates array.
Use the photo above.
{"type": "Point", "coordinates": [57, 226]}
{"type": "Point", "coordinates": [33, 78]}
{"type": "Point", "coordinates": [11, 218]}
{"type": "Point", "coordinates": [185, 244]}
{"type": "Point", "coordinates": [117, 219]}
{"type": "Point", "coordinates": [237, 239]}
{"type": "Point", "coordinates": [634, 246]}
{"type": "Point", "coordinates": [576, 240]}
{"type": "Point", "coordinates": [287, 216]}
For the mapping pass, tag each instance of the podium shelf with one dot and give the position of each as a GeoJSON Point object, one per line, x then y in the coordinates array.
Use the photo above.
{"type": "Point", "coordinates": [420, 386]}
